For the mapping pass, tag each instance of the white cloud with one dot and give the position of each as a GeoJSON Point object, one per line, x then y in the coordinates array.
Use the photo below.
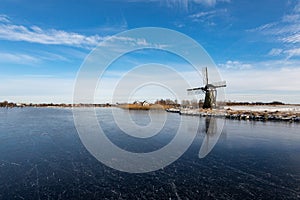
{"type": "Point", "coordinates": [18, 58]}
{"type": "Point", "coordinates": [203, 14]}
{"type": "Point", "coordinates": [36, 34]}
{"type": "Point", "coordinates": [281, 30]}
{"type": "Point", "coordinates": [293, 52]}
{"type": "Point", "coordinates": [4, 18]}
{"type": "Point", "coordinates": [235, 65]}
{"type": "Point", "coordinates": [284, 79]}
{"type": "Point", "coordinates": [184, 4]}
{"type": "Point", "coordinates": [275, 52]}
{"type": "Point", "coordinates": [210, 3]}
{"type": "Point", "coordinates": [289, 53]}
{"type": "Point", "coordinates": [286, 32]}
{"type": "Point", "coordinates": [297, 8]}
{"type": "Point", "coordinates": [264, 81]}
{"type": "Point", "coordinates": [291, 18]}
{"type": "Point", "coordinates": [32, 59]}
{"type": "Point", "coordinates": [206, 2]}
{"type": "Point", "coordinates": [293, 38]}
{"type": "Point", "coordinates": [209, 16]}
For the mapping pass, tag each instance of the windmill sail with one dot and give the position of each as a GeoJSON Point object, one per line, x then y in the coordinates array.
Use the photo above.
{"type": "Point", "coordinates": [194, 92]}
{"type": "Point", "coordinates": [219, 84]}
{"type": "Point", "coordinates": [205, 76]}
{"type": "Point", "coordinates": [198, 88]}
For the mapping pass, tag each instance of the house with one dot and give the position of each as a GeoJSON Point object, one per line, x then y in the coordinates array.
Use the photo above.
{"type": "Point", "coordinates": [145, 103]}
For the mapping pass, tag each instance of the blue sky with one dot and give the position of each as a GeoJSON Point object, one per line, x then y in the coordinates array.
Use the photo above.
{"type": "Point", "coordinates": [256, 46]}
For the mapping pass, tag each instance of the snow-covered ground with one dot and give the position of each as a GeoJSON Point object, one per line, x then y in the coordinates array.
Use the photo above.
{"type": "Point", "coordinates": [269, 108]}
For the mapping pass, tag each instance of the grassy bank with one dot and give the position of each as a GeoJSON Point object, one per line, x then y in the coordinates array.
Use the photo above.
{"type": "Point", "coordinates": [145, 107]}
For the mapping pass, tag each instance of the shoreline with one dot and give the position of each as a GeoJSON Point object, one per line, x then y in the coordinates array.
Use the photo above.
{"type": "Point", "coordinates": [247, 115]}
{"type": "Point", "coordinates": [286, 113]}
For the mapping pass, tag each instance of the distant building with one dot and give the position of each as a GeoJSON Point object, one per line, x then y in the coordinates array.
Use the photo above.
{"type": "Point", "coordinates": [145, 103]}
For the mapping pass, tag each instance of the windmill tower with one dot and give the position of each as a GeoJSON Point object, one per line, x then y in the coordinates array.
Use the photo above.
{"type": "Point", "coordinates": [210, 90]}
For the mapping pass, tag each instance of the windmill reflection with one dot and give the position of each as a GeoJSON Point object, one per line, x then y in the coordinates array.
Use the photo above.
{"type": "Point", "coordinates": [213, 130]}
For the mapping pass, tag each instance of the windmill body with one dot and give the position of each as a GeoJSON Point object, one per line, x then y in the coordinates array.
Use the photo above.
{"type": "Point", "coordinates": [210, 90]}
{"type": "Point", "coordinates": [209, 101]}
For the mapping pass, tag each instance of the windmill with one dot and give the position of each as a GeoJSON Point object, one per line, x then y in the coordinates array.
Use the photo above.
{"type": "Point", "coordinates": [210, 90]}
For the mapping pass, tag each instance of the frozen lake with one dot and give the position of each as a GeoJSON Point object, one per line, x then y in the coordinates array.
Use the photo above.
{"type": "Point", "coordinates": [42, 157]}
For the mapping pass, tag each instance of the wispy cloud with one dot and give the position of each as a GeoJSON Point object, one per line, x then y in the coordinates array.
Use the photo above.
{"type": "Point", "coordinates": [294, 38]}
{"type": "Point", "coordinates": [267, 65]}
{"type": "Point", "coordinates": [293, 52]}
{"type": "Point", "coordinates": [32, 58]}
{"type": "Point", "coordinates": [4, 18]}
{"type": "Point", "coordinates": [135, 41]}
{"type": "Point", "coordinates": [288, 53]}
{"type": "Point", "coordinates": [208, 16]}
{"type": "Point", "coordinates": [285, 32]}
{"type": "Point", "coordinates": [109, 27]}
{"type": "Point", "coordinates": [204, 14]}
{"type": "Point", "coordinates": [36, 34]}
{"type": "Point", "coordinates": [275, 52]}
{"type": "Point", "coordinates": [18, 58]}
{"type": "Point", "coordinates": [211, 2]}
{"type": "Point", "coordinates": [184, 4]}
{"type": "Point", "coordinates": [237, 65]}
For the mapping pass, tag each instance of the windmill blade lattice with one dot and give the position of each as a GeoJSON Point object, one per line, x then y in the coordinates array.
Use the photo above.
{"type": "Point", "coordinates": [219, 84]}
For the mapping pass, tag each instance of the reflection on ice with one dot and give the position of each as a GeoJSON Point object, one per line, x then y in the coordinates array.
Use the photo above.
{"type": "Point", "coordinates": [213, 130]}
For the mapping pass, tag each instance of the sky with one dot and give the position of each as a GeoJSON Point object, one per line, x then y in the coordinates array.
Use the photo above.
{"type": "Point", "coordinates": [255, 46]}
